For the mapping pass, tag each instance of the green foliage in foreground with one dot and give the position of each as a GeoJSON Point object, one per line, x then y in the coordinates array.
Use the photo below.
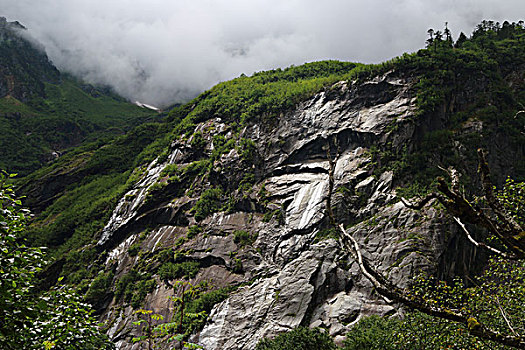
{"type": "Point", "coordinates": [57, 319]}
{"type": "Point", "coordinates": [415, 331]}
{"type": "Point", "coordinates": [373, 333]}
{"type": "Point", "coordinates": [494, 299]}
{"type": "Point", "coordinates": [299, 339]}
{"type": "Point", "coordinates": [192, 304]}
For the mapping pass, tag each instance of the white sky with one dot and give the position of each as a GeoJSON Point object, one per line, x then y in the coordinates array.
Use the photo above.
{"type": "Point", "coordinates": [166, 51]}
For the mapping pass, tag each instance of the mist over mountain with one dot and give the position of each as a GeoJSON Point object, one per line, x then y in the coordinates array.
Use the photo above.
{"type": "Point", "coordinates": [162, 52]}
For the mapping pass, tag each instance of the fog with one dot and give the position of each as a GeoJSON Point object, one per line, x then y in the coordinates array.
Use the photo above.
{"type": "Point", "coordinates": [166, 51]}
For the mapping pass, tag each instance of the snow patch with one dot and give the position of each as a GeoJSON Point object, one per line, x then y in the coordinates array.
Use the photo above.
{"type": "Point", "coordinates": [143, 105]}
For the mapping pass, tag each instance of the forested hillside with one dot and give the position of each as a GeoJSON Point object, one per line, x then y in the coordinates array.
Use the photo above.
{"type": "Point", "coordinates": [44, 112]}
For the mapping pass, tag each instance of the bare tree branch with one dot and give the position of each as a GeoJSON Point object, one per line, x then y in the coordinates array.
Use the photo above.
{"type": "Point", "coordinates": [505, 317]}
{"type": "Point", "coordinates": [506, 229]}
{"type": "Point", "coordinates": [456, 204]}
{"type": "Point", "coordinates": [391, 291]}
{"type": "Point", "coordinates": [483, 245]}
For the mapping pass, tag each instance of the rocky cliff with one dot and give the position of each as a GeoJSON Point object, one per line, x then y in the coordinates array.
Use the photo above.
{"type": "Point", "coordinates": [293, 272]}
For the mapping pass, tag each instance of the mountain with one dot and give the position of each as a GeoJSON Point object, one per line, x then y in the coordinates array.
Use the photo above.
{"type": "Point", "coordinates": [238, 191]}
{"type": "Point", "coordinates": [44, 112]}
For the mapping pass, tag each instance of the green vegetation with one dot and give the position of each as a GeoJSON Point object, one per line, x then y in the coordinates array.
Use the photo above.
{"type": "Point", "coordinates": [465, 83]}
{"type": "Point", "coordinates": [210, 202]}
{"type": "Point", "coordinates": [96, 177]}
{"type": "Point", "coordinates": [133, 287]}
{"type": "Point", "coordinates": [457, 85]}
{"type": "Point", "coordinates": [100, 286]}
{"type": "Point", "coordinates": [243, 238]}
{"type": "Point", "coordinates": [45, 112]}
{"type": "Point", "coordinates": [56, 319]}
{"type": "Point", "coordinates": [483, 310]}
{"type": "Point", "coordinates": [194, 231]}
{"type": "Point", "coordinates": [170, 271]}
{"type": "Point", "coordinates": [264, 94]}
{"type": "Point", "coordinates": [66, 117]}
{"type": "Point", "coordinates": [414, 332]}
{"type": "Point", "coordinates": [134, 249]}
{"type": "Point", "coordinates": [192, 305]}
{"type": "Point", "coordinates": [374, 333]}
{"type": "Point", "coordinates": [494, 298]}
{"type": "Point", "coordinates": [93, 179]}
{"type": "Point", "coordinates": [299, 339]}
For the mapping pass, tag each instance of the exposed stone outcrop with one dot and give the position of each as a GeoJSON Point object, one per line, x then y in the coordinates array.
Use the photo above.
{"type": "Point", "coordinates": [294, 273]}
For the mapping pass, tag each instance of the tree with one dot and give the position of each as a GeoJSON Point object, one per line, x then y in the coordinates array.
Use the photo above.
{"type": "Point", "coordinates": [373, 333]}
{"type": "Point", "coordinates": [492, 307]}
{"type": "Point", "coordinates": [155, 333]}
{"type": "Point", "coordinates": [28, 319]}
{"type": "Point", "coordinates": [461, 39]}
{"type": "Point", "coordinates": [430, 39]}
{"type": "Point", "coordinates": [448, 34]}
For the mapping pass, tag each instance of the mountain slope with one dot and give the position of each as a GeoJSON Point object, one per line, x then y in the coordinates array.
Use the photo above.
{"type": "Point", "coordinates": [234, 192]}
{"type": "Point", "coordinates": [43, 112]}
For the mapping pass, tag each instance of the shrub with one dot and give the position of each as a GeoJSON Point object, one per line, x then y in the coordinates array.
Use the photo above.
{"type": "Point", "coordinates": [299, 339]}
{"type": "Point", "coordinates": [170, 170]}
{"type": "Point", "coordinates": [210, 202]}
{"type": "Point", "coordinates": [99, 287]}
{"type": "Point", "coordinates": [198, 143]}
{"type": "Point", "coordinates": [243, 238]}
{"type": "Point", "coordinates": [171, 271]}
{"type": "Point", "coordinates": [141, 289]}
{"type": "Point", "coordinates": [134, 249]}
{"type": "Point", "coordinates": [373, 333]}
{"type": "Point", "coordinates": [193, 231]}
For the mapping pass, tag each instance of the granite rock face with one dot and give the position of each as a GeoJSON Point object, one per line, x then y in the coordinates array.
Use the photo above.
{"type": "Point", "coordinates": [294, 273]}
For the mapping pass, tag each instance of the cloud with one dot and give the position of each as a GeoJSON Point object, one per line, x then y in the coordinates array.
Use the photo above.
{"type": "Point", "coordinates": [166, 51]}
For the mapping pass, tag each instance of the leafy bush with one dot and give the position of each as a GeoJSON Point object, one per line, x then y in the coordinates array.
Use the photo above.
{"type": "Point", "coordinates": [210, 202]}
{"type": "Point", "coordinates": [243, 238]}
{"type": "Point", "coordinates": [141, 290]}
{"type": "Point", "coordinates": [57, 318]}
{"type": "Point", "coordinates": [99, 287]}
{"type": "Point", "coordinates": [198, 143]}
{"type": "Point", "coordinates": [193, 231]}
{"type": "Point", "coordinates": [133, 287]}
{"type": "Point", "coordinates": [125, 284]}
{"type": "Point", "coordinates": [299, 339]}
{"type": "Point", "coordinates": [134, 249]}
{"type": "Point", "coordinates": [170, 271]}
{"type": "Point", "coordinates": [170, 170]}
{"type": "Point", "coordinates": [372, 333]}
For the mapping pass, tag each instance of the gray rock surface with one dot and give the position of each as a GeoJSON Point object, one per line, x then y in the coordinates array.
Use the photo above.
{"type": "Point", "coordinates": [292, 274]}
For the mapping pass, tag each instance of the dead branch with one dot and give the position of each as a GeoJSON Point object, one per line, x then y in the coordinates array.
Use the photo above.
{"type": "Point", "coordinates": [458, 206]}
{"type": "Point", "coordinates": [506, 229]}
{"type": "Point", "coordinates": [391, 291]}
{"type": "Point", "coordinates": [483, 245]}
